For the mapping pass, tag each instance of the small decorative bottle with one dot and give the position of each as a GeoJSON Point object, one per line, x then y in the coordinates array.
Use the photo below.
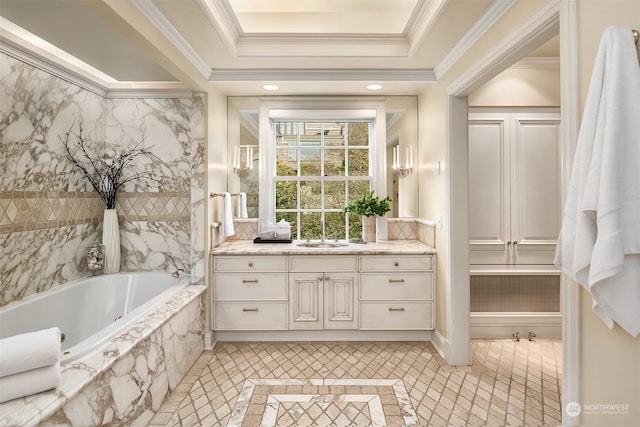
{"type": "Point", "coordinates": [95, 258]}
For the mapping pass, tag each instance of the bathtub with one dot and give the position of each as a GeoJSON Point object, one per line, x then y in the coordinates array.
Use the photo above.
{"type": "Point", "coordinates": [112, 325]}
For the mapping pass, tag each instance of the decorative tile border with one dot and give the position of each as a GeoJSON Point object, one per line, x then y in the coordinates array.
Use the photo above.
{"type": "Point", "coordinates": [319, 391]}
{"type": "Point", "coordinates": [35, 210]}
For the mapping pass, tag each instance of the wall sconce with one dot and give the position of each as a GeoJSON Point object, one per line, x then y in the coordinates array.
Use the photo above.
{"type": "Point", "coordinates": [243, 171]}
{"type": "Point", "coordinates": [399, 170]}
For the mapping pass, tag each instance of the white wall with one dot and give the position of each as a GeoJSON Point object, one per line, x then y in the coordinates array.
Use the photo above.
{"type": "Point", "coordinates": [520, 87]}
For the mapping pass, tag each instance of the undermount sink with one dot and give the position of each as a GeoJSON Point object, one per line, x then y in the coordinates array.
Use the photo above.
{"type": "Point", "coordinates": [325, 244]}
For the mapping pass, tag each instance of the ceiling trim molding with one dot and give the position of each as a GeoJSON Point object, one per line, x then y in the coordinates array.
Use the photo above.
{"type": "Point", "coordinates": [543, 25]}
{"type": "Point", "coordinates": [538, 62]}
{"type": "Point", "coordinates": [492, 15]}
{"type": "Point", "coordinates": [421, 22]}
{"type": "Point", "coordinates": [256, 45]}
{"type": "Point", "coordinates": [157, 18]}
{"type": "Point", "coordinates": [32, 50]}
{"type": "Point", "coordinates": [345, 74]}
{"type": "Point", "coordinates": [221, 15]}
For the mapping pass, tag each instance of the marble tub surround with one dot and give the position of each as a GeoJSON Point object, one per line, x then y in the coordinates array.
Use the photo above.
{"type": "Point", "coordinates": [126, 379]}
{"type": "Point", "coordinates": [247, 247]}
{"type": "Point", "coordinates": [45, 228]}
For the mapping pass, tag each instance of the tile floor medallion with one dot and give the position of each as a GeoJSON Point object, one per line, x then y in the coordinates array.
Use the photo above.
{"type": "Point", "coordinates": [368, 384]}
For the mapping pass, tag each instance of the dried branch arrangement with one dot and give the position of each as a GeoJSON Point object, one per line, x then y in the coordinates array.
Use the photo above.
{"type": "Point", "coordinates": [107, 175]}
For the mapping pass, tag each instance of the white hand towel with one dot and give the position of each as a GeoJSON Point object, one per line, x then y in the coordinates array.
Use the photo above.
{"type": "Point", "coordinates": [599, 244]}
{"type": "Point", "coordinates": [226, 210]}
{"type": "Point", "coordinates": [242, 203]}
{"type": "Point", "coordinates": [30, 382]}
{"type": "Point", "coordinates": [29, 351]}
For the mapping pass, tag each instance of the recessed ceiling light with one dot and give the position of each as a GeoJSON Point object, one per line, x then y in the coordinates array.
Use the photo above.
{"type": "Point", "coordinates": [374, 87]}
{"type": "Point", "coordinates": [270, 87]}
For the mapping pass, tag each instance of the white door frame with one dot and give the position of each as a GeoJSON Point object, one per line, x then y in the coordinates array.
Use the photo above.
{"type": "Point", "coordinates": [556, 17]}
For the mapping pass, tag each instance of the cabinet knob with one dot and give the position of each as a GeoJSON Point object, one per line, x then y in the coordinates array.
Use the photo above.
{"type": "Point", "coordinates": [515, 242]}
{"type": "Point", "coordinates": [320, 278]}
{"type": "Point", "coordinates": [508, 242]}
{"type": "Point", "coordinates": [250, 264]}
{"type": "Point", "coordinates": [396, 263]}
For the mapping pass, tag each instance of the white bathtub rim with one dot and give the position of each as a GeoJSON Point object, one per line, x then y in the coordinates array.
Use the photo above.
{"type": "Point", "coordinates": [30, 410]}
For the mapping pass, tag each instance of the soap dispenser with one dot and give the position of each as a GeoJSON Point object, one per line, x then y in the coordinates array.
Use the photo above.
{"type": "Point", "coordinates": [283, 230]}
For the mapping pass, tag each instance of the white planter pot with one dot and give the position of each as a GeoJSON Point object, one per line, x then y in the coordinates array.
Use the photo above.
{"type": "Point", "coordinates": [369, 228]}
{"type": "Point", "coordinates": [111, 241]}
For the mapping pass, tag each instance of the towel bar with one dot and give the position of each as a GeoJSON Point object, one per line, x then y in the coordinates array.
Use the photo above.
{"type": "Point", "coordinates": [212, 195]}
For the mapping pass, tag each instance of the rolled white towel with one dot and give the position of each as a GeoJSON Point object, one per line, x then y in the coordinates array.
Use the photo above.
{"type": "Point", "coordinates": [30, 382]}
{"type": "Point", "coordinates": [242, 200]}
{"type": "Point", "coordinates": [29, 351]}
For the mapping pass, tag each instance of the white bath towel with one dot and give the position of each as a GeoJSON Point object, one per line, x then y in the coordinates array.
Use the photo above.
{"type": "Point", "coordinates": [226, 212]}
{"type": "Point", "coordinates": [599, 244]}
{"type": "Point", "coordinates": [30, 382]}
{"type": "Point", "coordinates": [242, 205]}
{"type": "Point", "coordinates": [29, 351]}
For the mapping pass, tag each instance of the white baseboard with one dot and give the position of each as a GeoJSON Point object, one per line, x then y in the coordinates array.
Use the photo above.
{"type": "Point", "coordinates": [323, 335]}
{"type": "Point", "coordinates": [504, 325]}
{"type": "Point", "coordinates": [440, 343]}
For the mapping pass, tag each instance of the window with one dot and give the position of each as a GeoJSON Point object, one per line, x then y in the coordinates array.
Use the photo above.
{"type": "Point", "coordinates": [320, 167]}
{"type": "Point", "coordinates": [316, 155]}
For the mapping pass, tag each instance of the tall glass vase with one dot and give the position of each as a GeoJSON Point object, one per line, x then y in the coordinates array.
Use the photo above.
{"type": "Point", "coordinates": [369, 228]}
{"type": "Point", "coordinates": [111, 241]}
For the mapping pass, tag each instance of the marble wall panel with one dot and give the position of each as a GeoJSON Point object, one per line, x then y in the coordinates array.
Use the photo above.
{"type": "Point", "coordinates": [38, 108]}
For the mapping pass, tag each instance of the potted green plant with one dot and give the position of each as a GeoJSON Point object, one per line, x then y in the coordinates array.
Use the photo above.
{"type": "Point", "coordinates": [369, 206]}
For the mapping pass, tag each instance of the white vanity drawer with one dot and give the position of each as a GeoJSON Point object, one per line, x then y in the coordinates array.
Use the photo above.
{"type": "Point", "coordinates": [396, 315]}
{"type": "Point", "coordinates": [396, 262]}
{"type": "Point", "coordinates": [396, 286]}
{"type": "Point", "coordinates": [250, 315]}
{"type": "Point", "coordinates": [246, 286]}
{"type": "Point", "coordinates": [323, 263]}
{"type": "Point", "coordinates": [250, 263]}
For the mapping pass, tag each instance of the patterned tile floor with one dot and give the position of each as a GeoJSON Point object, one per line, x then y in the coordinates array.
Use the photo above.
{"type": "Point", "coordinates": [362, 384]}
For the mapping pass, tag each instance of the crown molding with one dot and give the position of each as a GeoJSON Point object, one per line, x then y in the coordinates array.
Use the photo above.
{"type": "Point", "coordinates": [543, 25]}
{"type": "Point", "coordinates": [422, 20]}
{"type": "Point", "coordinates": [537, 62]}
{"type": "Point", "coordinates": [155, 16]}
{"type": "Point", "coordinates": [345, 74]}
{"type": "Point", "coordinates": [492, 15]}
{"type": "Point", "coordinates": [30, 49]}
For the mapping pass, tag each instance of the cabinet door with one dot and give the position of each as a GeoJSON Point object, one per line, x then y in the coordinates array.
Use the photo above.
{"type": "Point", "coordinates": [489, 188]}
{"type": "Point", "coordinates": [305, 300]}
{"type": "Point", "coordinates": [340, 304]}
{"type": "Point", "coordinates": [535, 200]}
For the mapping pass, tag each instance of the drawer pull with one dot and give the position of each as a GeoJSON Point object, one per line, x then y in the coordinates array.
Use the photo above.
{"type": "Point", "coordinates": [249, 280]}
{"type": "Point", "coordinates": [396, 264]}
{"type": "Point", "coordinates": [249, 309]}
{"type": "Point", "coordinates": [396, 280]}
{"type": "Point", "coordinates": [396, 309]}
{"type": "Point", "coordinates": [250, 264]}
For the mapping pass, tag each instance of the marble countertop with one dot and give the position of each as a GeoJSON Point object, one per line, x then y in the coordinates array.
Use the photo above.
{"type": "Point", "coordinates": [247, 247]}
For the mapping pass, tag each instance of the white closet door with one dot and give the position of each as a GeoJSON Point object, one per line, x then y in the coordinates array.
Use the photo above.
{"type": "Point", "coordinates": [535, 211]}
{"type": "Point", "coordinates": [489, 188]}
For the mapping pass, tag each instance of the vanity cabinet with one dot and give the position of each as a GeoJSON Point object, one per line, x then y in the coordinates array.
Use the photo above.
{"type": "Point", "coordinates": [250, 293]}
{"type": "Point", "coordinates": [396, 292]}
{"type": "Point", "coordinates": [337, 296]}
{"type": "Point", "coordinates": [323, 299]}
